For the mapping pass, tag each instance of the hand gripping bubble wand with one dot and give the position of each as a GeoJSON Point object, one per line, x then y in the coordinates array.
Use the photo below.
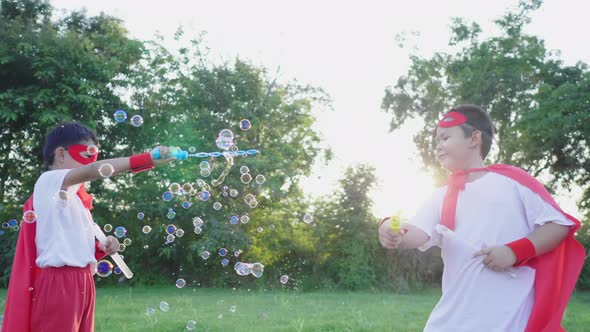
{"type": "Point", "coordinates": [116, 257]}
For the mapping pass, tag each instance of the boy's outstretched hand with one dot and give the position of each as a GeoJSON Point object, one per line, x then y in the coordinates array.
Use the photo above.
{"type": "Point", "coordinates": [165, 156]}
{"type": "Point", "coordinates": [389, 238]}
{"type": "Point", "coordinates": [497, 258]}
{"type": "Point", "coordinates": [112, 245]}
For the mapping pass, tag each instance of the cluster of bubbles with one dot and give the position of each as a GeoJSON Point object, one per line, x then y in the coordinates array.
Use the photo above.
{"type": "Point", "coordinates": [120, 116]}
{"type": "Point", "coordinates": [244, 269]}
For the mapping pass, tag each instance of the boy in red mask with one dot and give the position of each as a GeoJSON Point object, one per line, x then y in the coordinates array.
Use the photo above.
{"type": "Point", "coordinates": [510, 257]}
{"type": "Point", "coordinates": [51, 286]}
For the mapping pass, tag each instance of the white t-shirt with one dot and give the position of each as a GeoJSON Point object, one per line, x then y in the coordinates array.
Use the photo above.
{"type": "Point", "coordinates": [492, 210]}
{"type": "Point", "coordinates": [64, 235]}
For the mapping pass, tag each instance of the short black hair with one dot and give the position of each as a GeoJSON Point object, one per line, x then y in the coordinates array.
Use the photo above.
{"type": "Point", "coordinates": [64, 135]}
{"type": "Point", "coordinates": [477, 119]}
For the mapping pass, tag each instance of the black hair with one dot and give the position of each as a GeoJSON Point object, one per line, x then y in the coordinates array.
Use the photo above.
{"type": "Point", "coordinates": [64, 135]}
{"type": "Point", "coordinates": [477, 119]}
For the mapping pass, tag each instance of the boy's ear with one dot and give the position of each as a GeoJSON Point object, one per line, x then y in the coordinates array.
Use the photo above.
{"type": "Point", "coordinates": [59, 154]}
{"type": "Point", "coordinates": [476, 137]}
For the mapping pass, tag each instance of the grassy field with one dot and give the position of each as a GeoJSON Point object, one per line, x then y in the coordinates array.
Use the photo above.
{"type": "Point", "coordinates": [124, 309]}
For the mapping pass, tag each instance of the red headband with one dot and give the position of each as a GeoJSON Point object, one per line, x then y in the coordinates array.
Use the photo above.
{"type": "Point", "coordinates": [75, 151]}
{"type": "Point", "coordinates": [456, 119]}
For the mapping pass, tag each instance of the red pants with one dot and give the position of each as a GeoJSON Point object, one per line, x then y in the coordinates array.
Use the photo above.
{"type": "Point", "coordinates": [63, 300]}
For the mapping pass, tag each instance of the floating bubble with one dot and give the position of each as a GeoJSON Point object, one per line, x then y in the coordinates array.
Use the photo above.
{"type": "Point", "coordinates": [12, 223]}
{"type": "Point", "coordinates": [224, 143]}
{"type": "Point", "coordinates": [224, 262]}
{"type": "Point", "coordinates": [180, 283]}
{"type": "Point", "coordinates": [127, 242]}
{"type": "Point", "coordinates": [284, 279]}
{"type": "Point", "coordinates": [234, 220]}
{"type": "Point", "coordinates": [232, 308]}
{"type": "Point", "coordinates": [150, 311]}
{"type": "Point", "coordinates": [237, 253]}
{"type": "Point", "coordinates": [257, 270]}
{"type": "Point", "coordinates": [260, 229]}
{"type": "Point", "coordinates": [244, 170]}
{"type": "Point", "coordinates": [192, 149]}
{"type": "Point", "coordinates": [179, 232]}
{"type": "Point", "coordinates": [204, 196]}
{"type": "Point", "coordinates": [29, 216]}
{"type": "Point", "coordinates": [253, 204]}
{"type": "Point", "coordinates": [234, 148]}
{"type": "Point", "coordinates": [245, 124]}
{"type": "Point", "coordinates": [222, 252]}
{"type": "Point", "coordinates": [186, 204]}
{"type": "Point", "coordinates": [187, 187]}
{"type": "Point", "coordinates": [197, 222]}
{"type": "Point", "coordinates": [171, 229]}
{"type": "Point", "coordinates": [108, 228]}
{"type": "Point", "coordinates": [198, 230]}
{"type": "Point", "coordinates": [217, 206]}
{"type": "Point", "coordinates": [120, 116]}
{"type": "Point", "coordinates": [220, 316]}
{"type": "Point", "coordinates": [140, 216]}
{"type": "Point", "coordinates": [191, 325]}
{"type": "Point", "coordinates": [246, 178]}
{"type": "Point", "coordinates": [170, 238]}
{"type": "Point", "coordinates": [4, 225]}
{"type": "Point", "coordinates": [164, 306]}
{"type": "Point", "coordinates": [260, 179]}
{"type": "Point", "coordinates": [244, 219]}
{"type": "Point", "coordinates": [204, 164]}
{"type": "Point", "coordinates": [92, 149]}
{"type": "Point", "coordinates": [242, 269]}
{"type": "Point", "coordinates": [214, 183]}
{"type": "Point", "coordinates": [106, 170]}
{"type": "Point", "coordinates": [167, 196]}
{"type": "Point", "coordinates": [205, 172]}
{"type": "Point", "coordinates": [271, 227]}
{"type": "Point", "coordinates": [104, 268]}
{"type": "Point", "coordinates": [122, 248]}
{"type": "Point", "coordinates": [146, 229]}
{"type": "Point", "coordinates": [136, 120]}
{"type": "Point", "coordinates": [205, 254]}
{"type": "Point", "coordinates": [174, 187]}
{"type": "Point", "coordinates": [171, 214]}
{"type": "Point", "coordinates": [233, 193]}
{"type": "Point", "coordinates": [307, 218]}
{"type": "Point", "coordinates": [120, 232]}
{"type": "Point", "coordinates": [63, 195]}
{"type": "Point", "coordinates": [249, 198]}
{"type": "Point", "coordinates": [146, 246]}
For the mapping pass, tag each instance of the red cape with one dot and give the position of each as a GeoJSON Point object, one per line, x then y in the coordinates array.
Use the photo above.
{"type": "Point", "coordinates": [556, 272]}
{"type": "Point", "coordinates": [17, 312]}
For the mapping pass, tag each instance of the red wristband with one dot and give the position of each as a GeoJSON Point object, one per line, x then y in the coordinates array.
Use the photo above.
{"type": "Point", "coordinates": [523, 249]}
{"type": "Point", "coordinates": [141, 162]}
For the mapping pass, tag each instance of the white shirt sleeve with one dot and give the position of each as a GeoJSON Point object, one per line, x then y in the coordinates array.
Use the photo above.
{"type": "Point", "coordinates": [538, 211]}
{"type": "Point", "coordinates": [428, 216]}
{"type": "Point", "coordinates": [47, 191]}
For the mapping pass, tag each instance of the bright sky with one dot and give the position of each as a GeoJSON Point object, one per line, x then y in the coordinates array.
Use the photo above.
{"type": "Point", "coordinates": [347, 48]}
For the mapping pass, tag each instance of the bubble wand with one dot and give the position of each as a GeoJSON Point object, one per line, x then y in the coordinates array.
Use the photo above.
{"type": "Point", "coordinates": [116, 257]}
{"type": "Point", "coordinates": [182, 155]}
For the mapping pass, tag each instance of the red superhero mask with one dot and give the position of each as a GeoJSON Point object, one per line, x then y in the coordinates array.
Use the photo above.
{"type": "Point", "coordinates": [76, 150]}
{"type": "Point", "coordinates": [451, 119]}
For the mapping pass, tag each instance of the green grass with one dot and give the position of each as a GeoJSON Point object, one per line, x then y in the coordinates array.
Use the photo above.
{"type": "Point", "coordinates": [124, 309]}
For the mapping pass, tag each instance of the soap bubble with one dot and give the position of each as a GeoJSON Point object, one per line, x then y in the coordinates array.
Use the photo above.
{"type": "Point", "coordinates": [198, 230]}
{"type": "Point", "coordinates": [174, 187]}
{"type": "Point", "coordinates": [167, 196]}
{"type": "Point", "coordinates": [205, 254]}
{"type": "Point", "coordinates": [225, 139]}
{"type": "Point", "coordinates": [232, 308]}
{"type": "Point", "coordinates": [180, 283]}
{"type": "Point", "coordinates": [205, 172]}
{"type": "Point", "coordinates": [187, 187]}
{"type": "Point", "coordinates": [204, 196]}
{"type": "Point", "coordinates": [171, 214]}
{"type": "Point", "coordinates": [242, 269]}
{"type": "Point", "coordinates": [164, 306]}
{"type": "Point", "coordinates": [245, 219]}
{"type": "Point", "coordinates": [12, 223]}
{"type": "Point", "coordinates": [106, 170]}
{"type": "Point", "coordinates": [150, 311]}
{"type": "Point", "coordinates": [127, 241]}
{"type": "Point", "coordinates": [246, 178]}
{"type": "Point", "coordinates": [92, 149]}
{"type": "Point", "coordinates": [190, 325]}
{"type": "Point", "coordinates": [179, 232]}
{"type": "Point", "coordinates": [224, 262]}
{"type": "Point", "coordinates": [170, 238]}
{"type": "Point", "coordinates": [204, 164]}
{"type": "Point", "coordinates": [63, 195]}
{"type": "Point", "coordinates": [284, 279]}
{"type": "Point", "coordinates": [271, 227]}
{"type": "Point", "coordinates": [29, 216]}
{"type": "Point", "coordinates": [104, 268]}
{"type": "Point", "coordinates": [108, 228]}
{"type": "Point", "coordinates": [244, 170]}
{"type": "Point", "coordinates": [146, 229]}
{"type": "Point", "coordinates": [186, 204]}
{"type": "Point", "coordinates": [217, 206]}
{"type": "Point", "coordinates": [120, 232]}
{"type": "Point", "coordinates": [253, 204]}
{"type": "Point", "coordinates": [136, 120]}
{"type": "Point", "coordinates": [197, 222]}
{"type": "Point", "coordinates": [307, 218]}
{"type": "Point", "coordinates": [260, 179]}
{"type": "Point", "coordinates": [140, 216]}
{"type": "Point", "coordinates": [233, 193]}
{"type": "Point", "coordinates": [260, 229]}
{"type": "Point", "coordinates": [222, 252]}
{"type": "Point", "coordinates": [245, 124]}
{"type": "Point", "coordinates": [237, 253]}
{"type": "Point", "coordinates": [249, 198]}
{"type": "Point", "coordinates": [171, 229]}
{"type": "Point", "coordinates": [234, 220]}
{"type": "Point", "coordinates": [122, 248]}
{"type": "Point", "coordinates": [257, 270]}
{"type": "Point", "coordinates": [120, 116]}
{"type": "Point", "coordinates": [192, 149]}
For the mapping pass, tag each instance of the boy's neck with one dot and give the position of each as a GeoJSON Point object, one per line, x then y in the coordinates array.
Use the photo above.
{"type": "Point", "coordinates": [478, 163]}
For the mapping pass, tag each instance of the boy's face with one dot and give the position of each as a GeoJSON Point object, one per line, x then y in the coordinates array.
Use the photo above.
{"type": "Point", "coordinates": [453, 150]}
{"type": "Point", "coordinates": [63, 159]}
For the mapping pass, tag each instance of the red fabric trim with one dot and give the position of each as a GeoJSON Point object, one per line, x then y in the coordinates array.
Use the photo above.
{"type": "Point", "coordinates": [85, 197]}
{"type": "Point", "coordinates": [75, 151]}
{"type": "Point", "coordinates": [523, 249]}
{"type": "Point", "coordinates": [98, 254]}
{"type": "Point", "coordinates": [141, 162]}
